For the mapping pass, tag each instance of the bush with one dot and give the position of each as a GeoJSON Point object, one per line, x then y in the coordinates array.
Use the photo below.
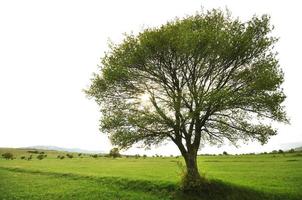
{"type": "Point", "coordinates": [144, 156]}
{"type": "Point", "coordinates": [8, 156]}
{"type": "Point", "coordinates": [114, 153]}
{"type": "Point", "coordinates": [60, 157]}
{"type": "Point", "coordinates": [40, 157]}
{"type": "Point", "coordinates": [280, 151]}
{"type": "Point", "coordinates": [69, 155]}
{"type": "Point", "coordinates": [291, 151]}
{"type": "Point", "coordinates": [22, 157]}
{"type": "Point", "coordinates": [79, 154]}
{"type": "Point", "coordinates": [94, 155]}
{"type": "Point", "coordinates": [225, 153]}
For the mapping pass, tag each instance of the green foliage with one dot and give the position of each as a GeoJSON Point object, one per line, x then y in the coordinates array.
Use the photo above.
{"type": "Point", "coordinates": [69, 155]}
{"type": "Point", "coordinates": [208, 71]}
{"type": "Point", "coordinates": [225, 153]}
{"type": "Point", "coordinates": [41, 156]}
{"type": "Point", "coordinates": [60, 157]}
{"type": "Point", "coordinates": [8, 156]}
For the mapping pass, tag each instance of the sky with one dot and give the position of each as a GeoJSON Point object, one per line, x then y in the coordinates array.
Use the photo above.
{"type": "Point", "coordinates": [49, 50]}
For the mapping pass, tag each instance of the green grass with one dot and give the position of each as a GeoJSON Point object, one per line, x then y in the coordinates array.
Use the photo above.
{"type": "Point", "coordinates": [254, 177]}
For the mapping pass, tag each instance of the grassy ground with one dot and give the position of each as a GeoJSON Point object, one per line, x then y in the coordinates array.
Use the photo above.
{"type": "Point", "coordinates": [271, 176]}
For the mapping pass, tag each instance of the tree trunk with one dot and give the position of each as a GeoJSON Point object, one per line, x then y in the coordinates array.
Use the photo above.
{"type": "Point", "coordinates": [192, 180]}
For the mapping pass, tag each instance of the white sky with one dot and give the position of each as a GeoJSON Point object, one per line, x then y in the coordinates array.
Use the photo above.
{"type": "Point", "coordinates": [49, 49]}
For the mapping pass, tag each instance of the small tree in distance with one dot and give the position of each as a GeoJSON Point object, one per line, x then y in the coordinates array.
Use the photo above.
{"type": "Point", "coordinates": [114, 153]}
{"type": "Point", "coordinates": [8, 156]}
{"type": "Point", "coordinates": [192, 81]}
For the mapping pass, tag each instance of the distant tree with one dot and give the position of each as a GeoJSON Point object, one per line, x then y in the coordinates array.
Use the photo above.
{"type": "Point", "coordinates": [8, 156]}
{"type": "Point", "coordinates": [291, 151]}
{"type": "Point", "coordinates": [225, 153]}
{"type": "Point", "coordinates": [30, 157]}
{"type": "Point", "coordinates": [79, 154]}
{"type": "Point", "coordinates": [280, 151]}
{"type": "Point", "coordinates": [33, 151]}
{"type": "Point", "coordinates": [22, 157]}
{"type": "Point", "coordinates": [191, 81]}
{"type": "Point", "coordinates": [144, 156]}
{"type": "Point", "coordinates": [114, 153]}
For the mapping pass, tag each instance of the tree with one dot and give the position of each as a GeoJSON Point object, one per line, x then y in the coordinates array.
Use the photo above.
{"type": "Point", "coordinates": [8, 156]}
{"type": "Point", "coordinates": [114, 153]}
{"type": "Point", "coordinates": [205, 78]}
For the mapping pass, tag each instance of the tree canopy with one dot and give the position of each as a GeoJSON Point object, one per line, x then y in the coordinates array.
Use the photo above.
{"type": "Point", "coordinates": [204, 78]}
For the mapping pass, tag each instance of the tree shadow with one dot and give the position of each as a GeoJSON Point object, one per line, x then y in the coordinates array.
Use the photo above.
{"type": "Point", "coordinates": [219, 190]}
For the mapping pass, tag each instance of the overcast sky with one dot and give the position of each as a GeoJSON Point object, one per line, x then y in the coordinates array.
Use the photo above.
{"type": "Point", "coordinates": [49, 49]}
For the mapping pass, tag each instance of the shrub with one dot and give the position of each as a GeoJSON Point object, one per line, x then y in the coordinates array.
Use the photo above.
{"type": "Point", "coordinates": [22, 157]}
{"type": "Point", "coordinates": [40, 157]}
{"type": "Point", "coordinates": [280, 151]}
{"type": "Point", "coordinates": [225, 153]}
{"type": "Point", "coordinates": [69, 155]}
{"type": "Point", "coordinates": [144, 156]}
{"type": "Point", "coordinates": [62, 157]}
{"type": "Point", "coordinates": [94, 155]}
{"type": "Point", "coordinates": [8, 156]}
{"type": "Point", "coordinates": [79, 154]}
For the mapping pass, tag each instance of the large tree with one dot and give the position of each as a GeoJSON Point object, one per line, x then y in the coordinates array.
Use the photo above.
{"type": "Point", "coordinates": [205, 78]}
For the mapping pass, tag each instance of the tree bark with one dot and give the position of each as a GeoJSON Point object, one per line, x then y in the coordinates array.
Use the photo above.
{"type": "Point", "coordinates": [192, 180]}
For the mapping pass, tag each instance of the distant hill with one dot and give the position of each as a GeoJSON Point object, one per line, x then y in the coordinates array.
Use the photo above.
{"type": "Point", "coordinates": [55, 148]}
{"type": "Point", "coordinates": [298, 149]}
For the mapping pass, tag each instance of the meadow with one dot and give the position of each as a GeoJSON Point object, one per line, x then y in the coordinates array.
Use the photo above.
{"type": "Point", "coordinates": [251, 177]}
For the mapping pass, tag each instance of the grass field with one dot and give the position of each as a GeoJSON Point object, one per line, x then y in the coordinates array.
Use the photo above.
{"type": "Point", "coordinates": [270, 176]}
